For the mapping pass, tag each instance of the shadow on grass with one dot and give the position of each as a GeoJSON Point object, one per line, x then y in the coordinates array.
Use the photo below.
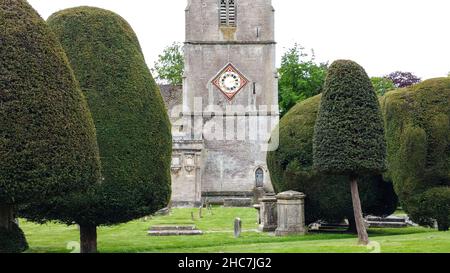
{"type": "Point", "coordinates": [398, 231]}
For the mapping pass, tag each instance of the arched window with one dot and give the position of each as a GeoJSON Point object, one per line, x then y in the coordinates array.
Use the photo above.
{"type": "Point", "coordinates": [228, 13]}
{"type": "Point", "coordinates": [259, 177]}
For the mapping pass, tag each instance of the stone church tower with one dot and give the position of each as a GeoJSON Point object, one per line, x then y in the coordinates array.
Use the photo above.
{"type": "Point", "coordinates": [229, 102]}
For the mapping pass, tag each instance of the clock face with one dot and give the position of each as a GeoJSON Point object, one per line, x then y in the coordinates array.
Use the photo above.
{"type": "Point", "coordinates": [230, 81]}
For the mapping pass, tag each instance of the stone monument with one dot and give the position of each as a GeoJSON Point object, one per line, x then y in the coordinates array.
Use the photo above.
{"type": "Point", "coordinates": [269, 219]}
{"type": "Point", "coordinates": [291, 213]}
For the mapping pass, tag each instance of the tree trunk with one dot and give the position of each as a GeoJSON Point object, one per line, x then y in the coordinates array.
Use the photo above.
{"type": "Point", "coordinates": [6, 216]}
{"type": "Point", "coordinates": [360, 226]}
{"type": "Point", "coordinates": [88, 239]}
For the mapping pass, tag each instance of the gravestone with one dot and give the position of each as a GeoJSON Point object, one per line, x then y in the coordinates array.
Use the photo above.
{"type": "Point", "coordinates": [162, 212]}
{"type": "Point", "coordinates": [291, 213]}
{"type": "Point", "coordinates": [237, 227]}
{"type": "Point", "coordinates": [387, 222]}
{"type": "Point", "coordinates": [268, 214]}
{"type": "Point", "coordinates": [174, 231]}
{"type": "Point", "coordinates": [210, 209]}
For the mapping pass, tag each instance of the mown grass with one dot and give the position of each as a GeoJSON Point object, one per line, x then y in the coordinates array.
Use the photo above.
{"type": "Point", "coordinates": [218, 227]}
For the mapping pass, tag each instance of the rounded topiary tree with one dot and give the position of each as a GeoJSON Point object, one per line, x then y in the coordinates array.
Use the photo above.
{"type": "Point", "coordinates": [430, 206]}
{"type": "Point", "coordinates": [417, 131]}
{"type": "Point", "coordinates": [349, 132]}
{"type": "Point", "coordinates": [133, 128]}
{"type": "Point", "coordinates": [48, 148]}
{"type": "Point", "coordinates": [328, 196]}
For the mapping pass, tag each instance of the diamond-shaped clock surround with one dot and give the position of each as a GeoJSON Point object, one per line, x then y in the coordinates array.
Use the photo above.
{"type": "Point", "coordinates": [231, 70]}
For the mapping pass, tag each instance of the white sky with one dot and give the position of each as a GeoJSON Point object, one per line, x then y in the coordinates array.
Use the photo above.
{"type": "Point", "coordinates": [381, 35]}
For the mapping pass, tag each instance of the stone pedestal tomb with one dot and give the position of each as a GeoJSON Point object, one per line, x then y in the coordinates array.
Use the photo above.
{"type": "Point", "coordinates": [291, 213]}
{"type": "Point", "coordinates": [268, 214]}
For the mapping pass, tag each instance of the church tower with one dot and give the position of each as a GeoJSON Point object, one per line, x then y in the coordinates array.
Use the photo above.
{"type": "Point", "coordinates": [230, 101]}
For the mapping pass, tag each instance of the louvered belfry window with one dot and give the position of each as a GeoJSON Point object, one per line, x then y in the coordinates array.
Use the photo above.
{"type": "Point", "coordinates": [228, 13]}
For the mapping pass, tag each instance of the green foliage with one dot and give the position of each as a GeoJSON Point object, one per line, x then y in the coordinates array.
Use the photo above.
{"type": "Point", "coordinates": [349, 133]}
{"type": "Point", "coordinates": [133, 129]}
{"type": "Point", "coordinates": [48, 147]}
{"type": "Point", "coordinates": [432, 205]}
{"type": "Point", "coordinates": [170, 65]}
{"type": "Point", "coordinates": [327, 196]}
{"type": "Point", "coordinates": [382, 85]}
{"type": "Point", "coordinates": [418, 142]}
{"type": "Point", "coordinates": [411, 161]}
{"type": "Point", "coordinates": [12, 241]}
{"type": "Point", "coordinates": [300, 77]}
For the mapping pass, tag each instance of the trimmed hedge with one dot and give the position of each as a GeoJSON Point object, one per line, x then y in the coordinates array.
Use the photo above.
{"type": "Point", "coordinates": [349, 133]}
{"type": "Point", "coordinates": [133, 128]}
{"type": "Point", "coordinates": [328, 196]}
{"type": "Point", "coordinates": [48, 147]}
{"type": "Point", "coordinates": [417, 131]}
{"type": "Point", "coordinates": [433, 205]}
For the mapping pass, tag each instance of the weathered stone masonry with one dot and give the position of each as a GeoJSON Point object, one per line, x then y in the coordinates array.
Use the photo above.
{"type": "Point", "coordinates": [220, 152]}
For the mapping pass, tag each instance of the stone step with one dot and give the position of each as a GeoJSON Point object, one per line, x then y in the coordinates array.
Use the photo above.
{"type": "Point", "coordinates": [175, 233]}
{"type": "Point", "coordinates": [173, 228]}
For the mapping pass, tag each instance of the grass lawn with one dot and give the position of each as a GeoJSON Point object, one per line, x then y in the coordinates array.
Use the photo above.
{"type": "Point", "coordinates": [218, 227]}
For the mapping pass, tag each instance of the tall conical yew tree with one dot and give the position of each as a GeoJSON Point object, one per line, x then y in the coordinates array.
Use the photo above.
{"type": "Point", "coordinates": [133, 128]}
{"type": "Point", "coordinates": [349, 133]}
{"type": "Point", "coordinates": [48, 148]}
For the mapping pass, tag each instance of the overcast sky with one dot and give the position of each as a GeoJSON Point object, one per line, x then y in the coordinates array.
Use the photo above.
{"type": "Point", "coordinates": [381, 35]}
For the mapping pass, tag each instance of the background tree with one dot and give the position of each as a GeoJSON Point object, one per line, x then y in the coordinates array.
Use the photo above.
{"type": "Point", "coordinates": [48, 148]}
{"type": "Point", "coordinates": [328, 196]}
{"type": "Point", "coordinates": [403, 79]}
{"type": "Point", "coordinates": [349, 133]}
{"type": "Point", "coordinates": [300, 77]}
{"type": "Point", "coordinates": [431, 207]}
{"type": "Point", "coordinates": [169, 67]}
{"type": "Point", "coordinates": [417, 132]}
{"type": "Point", "coordinates": [382, 85]}
{"type": "Point", "coordinates": [133, 129]}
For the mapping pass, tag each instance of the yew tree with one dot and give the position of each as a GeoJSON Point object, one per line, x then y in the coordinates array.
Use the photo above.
{"type": "Point", "coordinates": [349, 132]}
{"type": "Point", "coordinates": [417, 122]}
{"type": "Point", "coordinates": [328, 197]}
{"type": "Point", "coordinates": [48, 148]}
{"type": "Point", "coordinates": [133, 128]}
